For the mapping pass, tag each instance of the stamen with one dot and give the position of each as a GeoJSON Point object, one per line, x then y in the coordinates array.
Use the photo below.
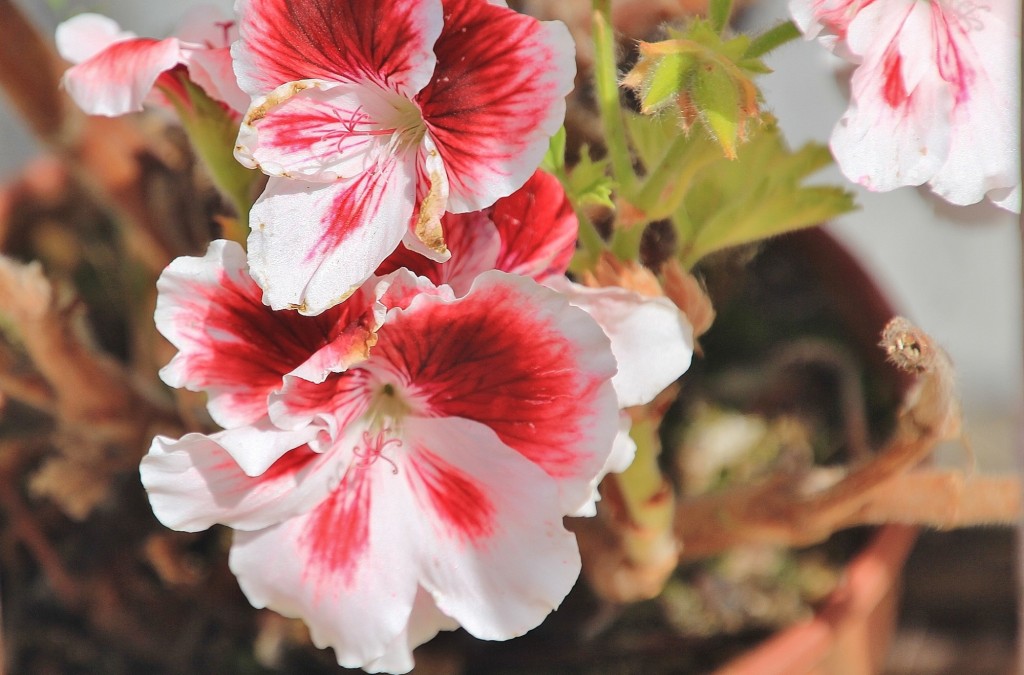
{"type": "Point", "coordinates": [372, 449]}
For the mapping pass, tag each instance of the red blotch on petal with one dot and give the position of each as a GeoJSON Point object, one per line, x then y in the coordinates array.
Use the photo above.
{"type": "Point", "coordinates": [337, 533]}
{"type": "Point", "coordinates": [894, 91]}
{"type": "Point", "coordinates": [538, 229]}
{"type": "Point", "coordinates": [490, 357]}
{"type": "Point", "coordinates": [464, 510]}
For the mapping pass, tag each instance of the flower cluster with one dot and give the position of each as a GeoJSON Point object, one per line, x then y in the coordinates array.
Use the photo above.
{"type": "Point", "coordinates": [412, 394]}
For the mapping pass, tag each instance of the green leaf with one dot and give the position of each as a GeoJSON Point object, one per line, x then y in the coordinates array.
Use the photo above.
{"type": "Point", "coordinates": [719, 12]}
{"type": "Point", "coordinates": [554, 158]}
{"type": "Point", "coordinates": [589, 183]}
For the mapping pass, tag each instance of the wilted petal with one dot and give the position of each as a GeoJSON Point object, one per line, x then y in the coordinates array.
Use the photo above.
{"type": "Point", "coordinates": [312, 246]}
{"type": "Point", "coordinates": [496, 98]}
{"type": "Point", "coordinates": [387, 43]}
{"type": "Point", "coordinates": [194, 483]}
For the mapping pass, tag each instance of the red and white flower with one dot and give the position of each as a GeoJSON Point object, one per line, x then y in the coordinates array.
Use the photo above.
{"type": "Point", "coordinates": [117, 71]}
{"type": "Point", "coordinates": [533, 233]}
{"type": "Point", "coordinates": [374, 119]}
{"type": "Point", "coordinates": [936, 95]}
{"type": "Point", "coordinates": [383, 494]}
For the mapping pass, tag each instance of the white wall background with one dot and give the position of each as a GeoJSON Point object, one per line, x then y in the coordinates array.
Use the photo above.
{"type": "Point", "coordinates": [956, 272]}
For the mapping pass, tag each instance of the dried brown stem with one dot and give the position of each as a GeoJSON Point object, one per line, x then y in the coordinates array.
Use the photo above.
{"type": "Point", "coordinates": [783, 511]}
{"type": "Point", "coordinates": [27, 388]}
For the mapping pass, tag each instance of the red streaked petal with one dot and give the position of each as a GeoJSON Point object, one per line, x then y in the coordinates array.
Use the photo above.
{"type": "Point", "coordinates": [117, 80]}
{"type": "Point", "coordinates": [538, 229]}
{"type": "Point", "coordinates": [312, 246]}
{"type": "Point", "coordinates": [495, 555]}
{"type": "Point", "coordinates": [517, 358]}
{"type": "Point", "coordinates": [348, 568]}
{"type": "Point", "coordinates": [230, 344]}
{"type": "Point", "coordinates": [194, 483]}
{"type": "Point", "coordinates": [389, 43]}
{"type": "Point", "coordinates": [317, 131]}
{"type": "Point", "coordinates": [496, 98]}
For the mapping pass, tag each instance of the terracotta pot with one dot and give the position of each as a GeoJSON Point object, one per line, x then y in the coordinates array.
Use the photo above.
{"type": "Point", "coordinates": [850, 634]}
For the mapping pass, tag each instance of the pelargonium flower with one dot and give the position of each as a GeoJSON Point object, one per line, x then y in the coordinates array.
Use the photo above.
{"type": "Point", "coordinates": [117, 71]}
{"type": "Point", "coordinates": [415, 482]}
{"type": "Point", "coordinates": [533, 233]}
{"type": "Point", "coordinates": [935, 97]}
{"type": "Point", "coordinates": [373, 119]}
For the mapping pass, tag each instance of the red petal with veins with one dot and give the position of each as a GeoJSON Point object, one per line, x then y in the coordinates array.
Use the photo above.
{"type": "Point", "coordinates": [383, 41]}
{"type": "Point", "coordinates": [515, 357]}
{"type": "Point", "coordinates": [497, 96]}
{"type": "Point", "coordinates": [233, 345]}
{"type": "Point", "coordinates": [537, 227]}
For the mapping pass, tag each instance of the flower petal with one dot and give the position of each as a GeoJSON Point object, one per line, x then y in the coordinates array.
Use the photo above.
{"type": "Point", "coordinates": [348, 568]}
{"type": "Point", "coordinates": [116, 80]}
{"type": "Point", "coordinates": [538, 229]}
{"type": "Point", "coordinates": [494, 552]}
{"type": "Point", "coordinates": [651, 339]}
{"type": "Point", "coordinates": [425, 621]}
{"type": "Point", "coordinates": [84, 36]}
{"type": "Point", "coordinates": [233, 346]}
{"type": "Point", "coordinates": [312, 246]}
{"type": "Point", "coordinates": [389, 43]}
{"type": "Point", "coordinates": [517, 358]}
{"type": "Point", "coordinates": [496, 98]}
{"type": "Point", "coordinates": [193, 483]}
{"type": "Point", "coordinates": [317, 131]}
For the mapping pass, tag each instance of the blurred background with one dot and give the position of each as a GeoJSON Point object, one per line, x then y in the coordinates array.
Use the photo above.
{"type": "Point", "coordinates": [956, 272]}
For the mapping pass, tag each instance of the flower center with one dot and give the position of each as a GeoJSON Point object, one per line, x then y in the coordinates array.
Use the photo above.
{"type": "Point", "coordinates": [408, 124]}
{"type": "Point", "coordinates": [384, 419]}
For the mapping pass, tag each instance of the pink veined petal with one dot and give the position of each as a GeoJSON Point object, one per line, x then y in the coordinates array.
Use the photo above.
{"type": "Point", "coordinates": [828, 21]}
{"type": "Point", "coordinates": [387, 42]}
{"type": "Point", "coordinates": [234, 347]}
{"type": "Point", "coordinates": [488, 523]}
{"type": "Point", "coordinates": [893, 133]}
{"type": "Point", "coordinates": [212, 70]}
{"type": "Point", "coordinates": [651, 339]}
{"type": "Point", "coordinates": [496, 98]}
{"type": "Point", "coordinates": [348, 568]}
{"type": "Point", "coordinates": [978, 54]}
{"type": "Point", "coordinates": [318, 131]}
{"type": "Point", "coordinates": [425, 621]}
{"type": "Point", "coordinates": [402, 286]}
{"type": "Point", "coordinates": [538, 229]}
{"type": "Point", "coordinates": [193, 483]}
{"type": "Point", "coordinates": [117, 80]}
{"type": "Point", "coordinates": [312, 246]}
{"type": "Point", "coordinates": [517, 358]}
{"type": "Point", "coordinates": [84, 36]}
